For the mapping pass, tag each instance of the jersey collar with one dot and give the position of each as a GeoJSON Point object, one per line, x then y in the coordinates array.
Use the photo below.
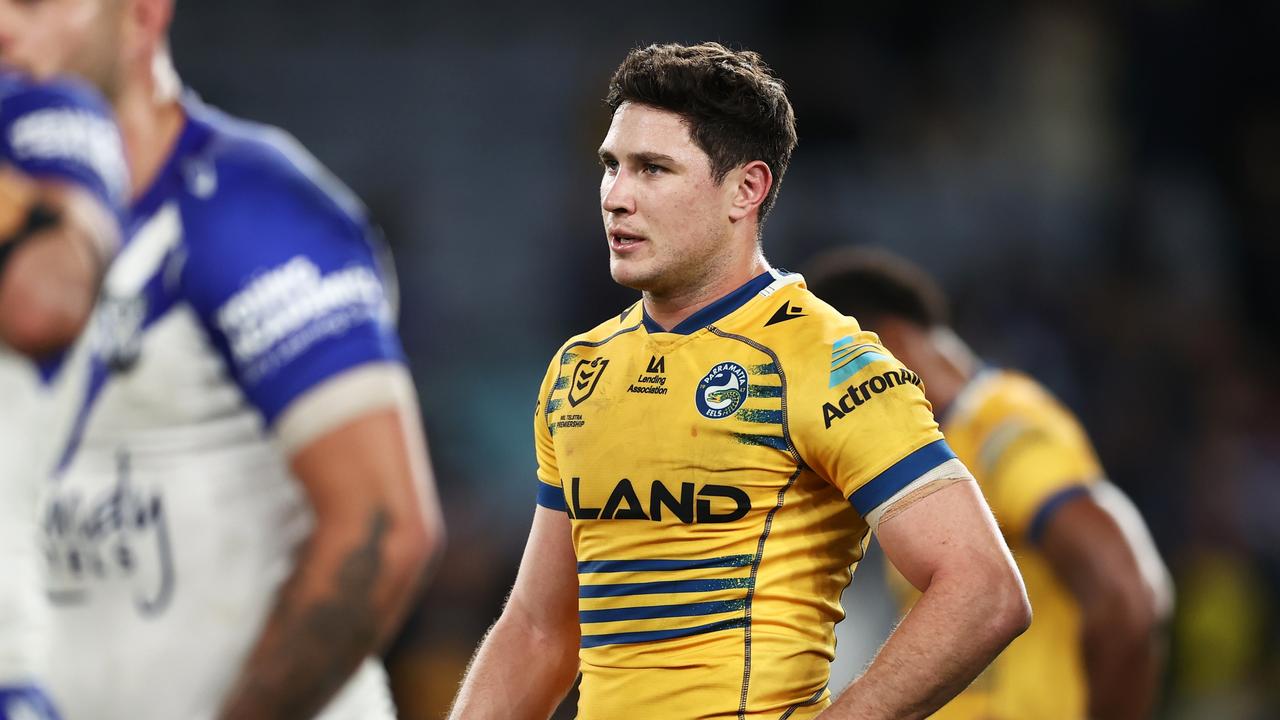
{"type": "Point", "coordinates": [716, 310]}
{"type": "Point", "coordinates": [964, 402]}
{"type": "Point", "coordinates": [193, 133]}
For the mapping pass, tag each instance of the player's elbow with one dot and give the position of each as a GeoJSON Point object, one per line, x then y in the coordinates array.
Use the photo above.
{"type": "Point", "coordinates": [1125, 612]}
{"type": "Point", "coordinates": [411, 548]}
{"type": "Point", "coordinates": [1009, 609]}
{"type": "Point", "coordinates": [1014, 616]}
{"type": "Point", "coordinates": [428, 543]}
{"type": "Point", "coordinates": [554, 636]}
{"type": "Point", "coordinates": [989, 592]}
{"type": "Point", "coordinates": [550, 627]}
{"type": "Point", "coordinates": [1142, 615]}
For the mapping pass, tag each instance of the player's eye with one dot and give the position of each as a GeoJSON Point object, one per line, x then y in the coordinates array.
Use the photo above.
{"type": "Point", "coordinates": [609, 164]}
{"type": "Point", "coordinates": [652, 169]}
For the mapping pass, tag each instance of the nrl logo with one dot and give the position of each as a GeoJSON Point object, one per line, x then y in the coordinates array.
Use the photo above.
{"type": "Point", "coordinates": [585, 378]}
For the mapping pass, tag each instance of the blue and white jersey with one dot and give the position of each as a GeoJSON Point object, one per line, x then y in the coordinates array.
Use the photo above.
{"type": "Point", "coordinates": [250, 278]}
{"type": "Point", "coordinates": [62, 132]}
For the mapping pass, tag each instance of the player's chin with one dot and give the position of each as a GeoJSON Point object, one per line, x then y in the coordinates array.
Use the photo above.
{"type": "Point", "coordinates": [631, 272]}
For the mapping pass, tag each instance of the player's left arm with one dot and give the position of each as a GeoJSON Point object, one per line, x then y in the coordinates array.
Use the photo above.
{"type": "Point", "coordinates": [972, 605]}
{"type": "Point", "coordinates": [377, 523]}
{"type": "Point", "coordinates": [1120, 611]}
{"type": "Point", "coordinates": [292, 293]}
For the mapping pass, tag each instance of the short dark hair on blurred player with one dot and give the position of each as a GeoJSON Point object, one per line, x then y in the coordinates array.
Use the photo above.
{"type": "Point", "coordinates": [736, 108]}
{"type": "Point", "coordinates": [871, 284]}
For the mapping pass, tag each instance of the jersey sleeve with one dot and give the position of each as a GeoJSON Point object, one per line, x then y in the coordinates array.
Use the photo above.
{"type": "Point", "coordinates": [550, 487]}
{"type": "Point", "coordinates": [287, 283]}
{"type": "Point", "coordinates": [864, 424]}
{"type": "Point", "coordinates": [1031, 467]}
{"type": "Point", "coordinates": [64, 132]}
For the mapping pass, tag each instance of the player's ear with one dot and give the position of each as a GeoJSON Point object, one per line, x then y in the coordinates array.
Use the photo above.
{"type": "Point", "coordinates": [751, 184]}
{"type": "Point", "coordinates": [149, 21]}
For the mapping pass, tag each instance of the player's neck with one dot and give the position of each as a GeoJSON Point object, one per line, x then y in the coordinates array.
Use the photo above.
{"type": "Point", "coordinates": [954, 365]}
{"type": "Point", "coordinates": [150, 119]}
{"type": "Point", "coordinates": [670, 309]}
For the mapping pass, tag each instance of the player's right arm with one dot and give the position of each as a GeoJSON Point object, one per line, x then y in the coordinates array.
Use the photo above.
{"type": "Point", "coordinates": [528, 661]}
{"type": "Point", "coordinates": [867, 428]}
{"type": "Point", "coordinates": [62, 176]}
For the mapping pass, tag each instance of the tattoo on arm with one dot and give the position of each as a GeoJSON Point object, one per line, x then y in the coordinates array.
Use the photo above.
{"type": "Point", "coordinates": [313, 642]}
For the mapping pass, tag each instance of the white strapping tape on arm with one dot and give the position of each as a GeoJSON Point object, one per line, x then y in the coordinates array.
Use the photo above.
{"type": "Point", "coordinates": [1154, 572]}
{"type": "Point", "coordinates": [952, 469]}
{"type": "Point", "coordinates": [341, 398]}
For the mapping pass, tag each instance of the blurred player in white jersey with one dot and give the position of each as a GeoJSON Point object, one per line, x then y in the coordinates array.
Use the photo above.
{"type": "Point", "coordinates": [244, 509]}
{"type": "Point", "coordinates": [62, 182]}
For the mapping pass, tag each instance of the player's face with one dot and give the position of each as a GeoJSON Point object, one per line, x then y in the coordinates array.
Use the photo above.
{"type": "Point", "coordinates": [666, 218]}
{"type": "Point", "coordinates": [54, 37]}
{"type": "Point", "coordinates": [907, 341]}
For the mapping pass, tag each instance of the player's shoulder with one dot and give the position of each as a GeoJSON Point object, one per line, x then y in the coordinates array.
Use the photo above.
{"type": "Point", "coordinates": [795, 323]}
{"type": "Point", "coordinates": [1014, 391]}
{"type": "Point", "coordinates": [1009, 398]}
{"type": "Point", "coordinates": [262, 222]}
{"type": "Point", "coordinates": [829, 360]}
{"type": "Point", "coordinates": [595, 341]}
{"type": "Point", "coordinates": [623, 322]}
{"type": "Point", "coordinates": [240, 171]}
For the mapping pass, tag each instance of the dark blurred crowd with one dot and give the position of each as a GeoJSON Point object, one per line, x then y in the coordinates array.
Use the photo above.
{"type": "Point", "coordinates": [1096, 185]}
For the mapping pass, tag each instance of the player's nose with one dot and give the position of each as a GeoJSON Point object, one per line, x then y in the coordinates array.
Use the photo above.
{"type": "Point", "coordinates": [616, 195]}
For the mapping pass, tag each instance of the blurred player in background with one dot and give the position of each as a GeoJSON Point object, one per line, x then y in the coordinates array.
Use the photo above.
{"type": "Point", "coordinates": [698, 514]}
{"type": "Point", "coordinates": [62, 184]}
{"type": "Point", "coordinates": [245, 507]}
{"type": "Point", "coordinates": [1096, 583]}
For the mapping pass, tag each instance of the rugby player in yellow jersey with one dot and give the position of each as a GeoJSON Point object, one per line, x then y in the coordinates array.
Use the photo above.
{"type": "Point", "coordinates": [1096, 583]}
{"type": "Point", "coordinates": [699, 510]}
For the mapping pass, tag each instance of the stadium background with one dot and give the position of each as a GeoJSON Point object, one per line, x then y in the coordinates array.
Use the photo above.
{"type": "Point", "coordinates": [1097, 186]}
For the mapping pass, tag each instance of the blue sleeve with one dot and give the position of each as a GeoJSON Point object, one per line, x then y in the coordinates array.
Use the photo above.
{"type": "Point", "coordinates": [287, 282]}
{"type": "Point", "coordinates": [63, 131]}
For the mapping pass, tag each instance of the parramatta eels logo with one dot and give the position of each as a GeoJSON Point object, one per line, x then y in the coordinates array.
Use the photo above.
{"type": "Point", "coordinates": [722, 391]}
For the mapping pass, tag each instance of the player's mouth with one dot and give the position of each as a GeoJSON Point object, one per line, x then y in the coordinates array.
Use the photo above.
{"type": "Point", "coordinates": [624, 242]}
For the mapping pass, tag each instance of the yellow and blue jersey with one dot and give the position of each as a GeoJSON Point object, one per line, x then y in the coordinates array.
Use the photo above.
{"type": "Point", "coordinates": [717, 477]}
{"type": "Point", "coordinates": [1029, 455]}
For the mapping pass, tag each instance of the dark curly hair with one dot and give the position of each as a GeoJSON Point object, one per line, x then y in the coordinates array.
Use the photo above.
{"type": "Point", "coordinates": [871, 284]}
{"type": "Point", "coordinates": [736, 108]}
